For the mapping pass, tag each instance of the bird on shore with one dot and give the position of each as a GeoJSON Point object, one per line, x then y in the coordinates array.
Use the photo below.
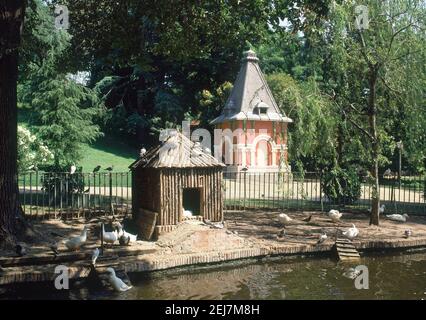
{"type": "Point", "coordinates": [334, 215]}
{"type": "Point", "coordinates": [286, 220]}
{"type": "Point", "coordinates": [381, 209]}
{"type": "Point", "coordinates": [308, 219]}
{"type": "Point", "coordinates": [351, 233]}
{"type": "Point", "coordinates": [321, 238]}
{"type": "Point", "coordinates": [95, 256]}
{"type": "Point", "coordinates": [75, 243]}
{"type": "Point", "coordinates": [281, 234]}
{"type": "Point", "coordinates": [398, 217]}
{"type": "Point", "coordinates": [116, 282]}
{"type": "Point", "coordinates": [124, 240]}
{"type": "Point", "coordinates": [97, 168]}
{"type": "Point", "coordinates": [20, 250]}
{"type": "Point", "coordinates": [408, 233]}
{"type": "Point", "coordinates": [109, 237]}
{"type": "Point", "coordinates": [122, 232]}
{"type": "Point", "coordinates": [54, 248]}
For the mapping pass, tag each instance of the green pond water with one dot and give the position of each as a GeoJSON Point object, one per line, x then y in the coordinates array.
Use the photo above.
{"type": "Point", "coordinates": [396, 276]}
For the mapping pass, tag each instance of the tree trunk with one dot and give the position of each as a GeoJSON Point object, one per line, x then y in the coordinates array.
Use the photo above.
{"type": "Point", "coordinates": [372, 115]}
{"type": "Point", "coordinates": [11, 20]}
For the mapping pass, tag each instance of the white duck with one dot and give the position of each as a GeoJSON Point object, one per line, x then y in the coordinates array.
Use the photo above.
{"type": "Point", "coordinates": [334, 215]}
{"type": "Point", "coordinates": [398, 217]}
{"type": "Point", "coordinates": [187, 213]}
{"type": "Point", "coordinates": [95, 256]}
{"type": "Point", "coordinates": [116, 282]}
{"type": "Point", "coordinates": [76, 242]}
{"type": "Point", "coordinates": [109, 237]}
{"type": "Point", "coordinates": [351, 233]}
{"type": "Point", "coordinates": [122, 232]}
{"type": "Point", "coordinates": [322, 238]}
{"type": "Point", "coordinates": [286, 220]}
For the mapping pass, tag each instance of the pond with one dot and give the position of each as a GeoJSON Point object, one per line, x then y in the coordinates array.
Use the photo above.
{"type": "Point", "coordinates": [395, 276]}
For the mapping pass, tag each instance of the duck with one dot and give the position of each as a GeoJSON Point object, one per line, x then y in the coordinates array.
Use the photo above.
{"type": "Point", "coordinates": [281, 234]}
{"type": "Point", "coordinates": [95, 256]}
{"type": "Point", "coordinates": [75, 243]}
{"type": "Point", "coordinates": [334, 215]}
{"type": "Point", "coordinates": [109, 237]}
{"type": "Point", "coordinates": [408, 233]}
{"type": "Point", "coordinates": [321, 238]}
{"type": "Point", "coordinates": [187, 213]}
{"type": "Point", "coordinates": [351, 233]}
{"type": "Point", "coordinates": [116, 282]}
{"type": "Point", "coordinates": [286, 220]}
{"type": "Point", "coordinates": [122, 232]}
{"type": "Point", "coordinates": [123, 240]}
{"type": "Point", "coordinates": [398, 217]}
{"type": "Point", "coordinates": [308, 219]}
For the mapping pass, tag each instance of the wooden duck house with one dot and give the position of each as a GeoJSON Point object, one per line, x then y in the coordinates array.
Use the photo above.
{"type": "Point", "coordinates": [174, 181]}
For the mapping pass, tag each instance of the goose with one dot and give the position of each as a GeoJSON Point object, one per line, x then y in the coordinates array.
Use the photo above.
{"type": "Point", "coordinates": [122, 232]}
{"type": "Point", "coordinates": [322, 238]}
{"type": "Point", "coordinates": [95, 256]}
{"type": "Point", "coordinates": [398, 217]}
{"type": "Point", "coordinates": [334, 215]}
{"type": "Point", "coordinates": [351, 233]}
{"type": "Point", "coordinates": [116, 282]}
{"type": "Point", "coordinates": [109, 237]}
{"type": "Point", "coordinates": [76, 242]}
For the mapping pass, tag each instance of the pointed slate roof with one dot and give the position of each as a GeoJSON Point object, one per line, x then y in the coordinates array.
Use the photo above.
{"type": "Point", "coordinates": [177, 151]}
{"type": "Point", "coordinates": [251, 98]}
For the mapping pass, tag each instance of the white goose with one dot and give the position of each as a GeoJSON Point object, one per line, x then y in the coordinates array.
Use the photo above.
{"type": "Point", "coordinates": [398, 217]}
{"type": "Point", "coordinates": [116, 282]}
{"type": "Point", "coordinates": [109, 237]}
{"type": "Point", "coordinates": [76, 242]}
{"type": "Point", "coordinates": [351, 233]}
{"type": "Point", "coordinates": [334, 215]}
{"type": "Point", "coordinates": [122, 232]}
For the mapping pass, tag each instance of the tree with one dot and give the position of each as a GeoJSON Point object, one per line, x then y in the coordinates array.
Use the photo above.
{"type": "Point", "coordinates": [388, 48]}
{"type": "Point", "coordinates": [11, 22]}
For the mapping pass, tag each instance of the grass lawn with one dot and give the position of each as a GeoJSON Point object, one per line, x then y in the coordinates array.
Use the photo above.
{"type": "Point", "coordinates": [107, 151]}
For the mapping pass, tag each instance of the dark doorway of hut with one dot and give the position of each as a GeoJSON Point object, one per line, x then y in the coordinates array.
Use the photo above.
{"type": "Point", "coordinates": [192, 200]}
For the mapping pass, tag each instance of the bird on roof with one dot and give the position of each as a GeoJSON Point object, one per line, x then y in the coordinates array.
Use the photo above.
{"type": "Point", "coordinates": [97, 168]}
{"type": "Point", "coordinates": [398, 217]}
{"type": "Point", "coordinates": [116, 282]}
{"type": "Point", "coordinates": [334, 215]}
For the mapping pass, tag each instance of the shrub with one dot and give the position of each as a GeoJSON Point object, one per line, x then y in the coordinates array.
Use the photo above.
{"type": "Point", "coordinates": [342, 186]}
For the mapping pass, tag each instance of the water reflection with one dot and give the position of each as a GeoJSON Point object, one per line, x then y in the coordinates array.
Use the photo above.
{"type": "Point", "coordinates": [401, 276]}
